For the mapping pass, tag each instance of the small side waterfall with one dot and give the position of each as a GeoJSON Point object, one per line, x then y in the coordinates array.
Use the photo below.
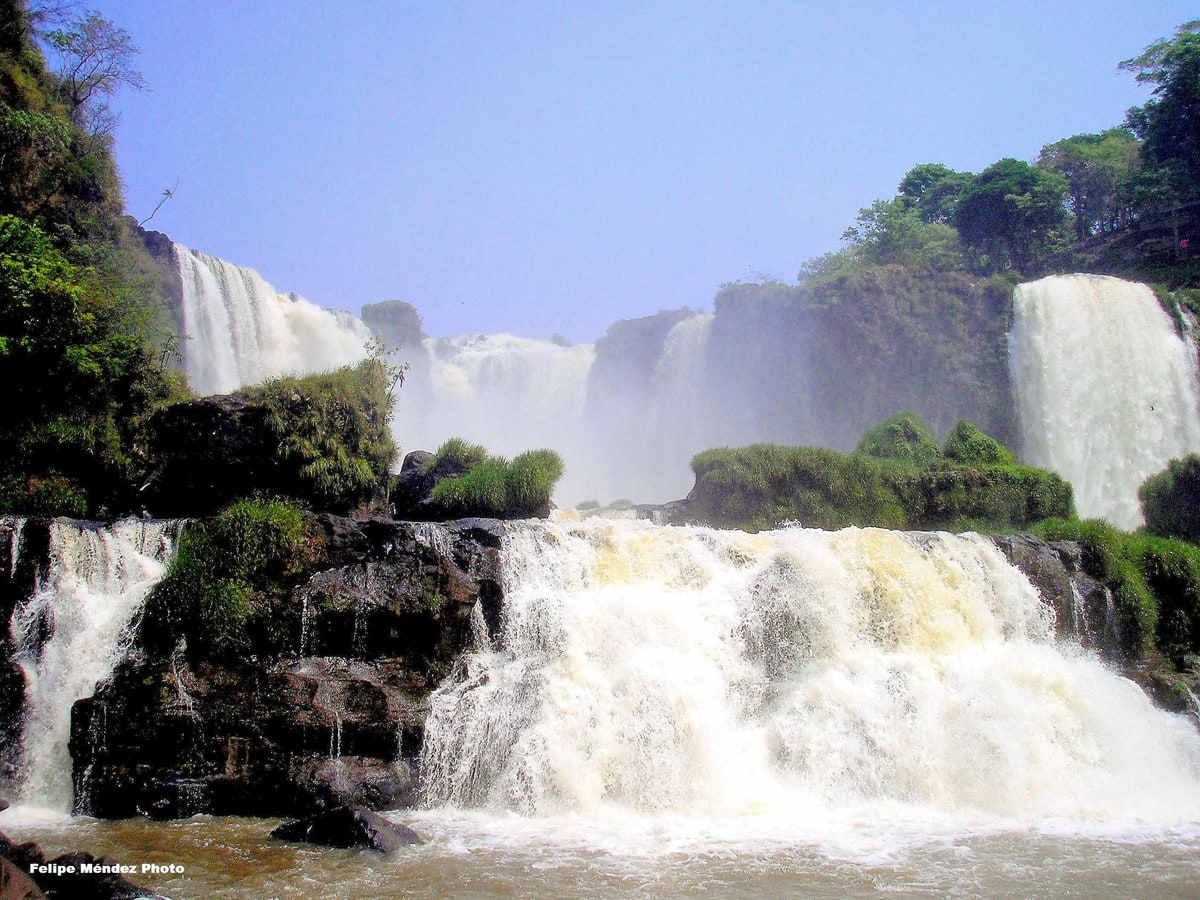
{"type": "Point", "coordinates": [793, 676]}
{"type": "Point", "coordinates": [1107, 391]}
{"type": "Point", "coordinates": [241, 331]}
{"type": "Point", "coordinates": [73, 632]}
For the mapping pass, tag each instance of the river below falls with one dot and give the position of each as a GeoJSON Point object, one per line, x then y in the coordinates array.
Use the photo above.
{"type": "Point", "coordinates": [488, 855]}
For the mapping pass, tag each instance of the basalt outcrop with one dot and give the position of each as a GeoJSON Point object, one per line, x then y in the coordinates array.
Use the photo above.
{"type": "Point", "coordinates": [370, 628]}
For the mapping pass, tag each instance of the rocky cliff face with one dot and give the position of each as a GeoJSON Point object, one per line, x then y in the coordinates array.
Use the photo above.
{"type": "Point", "coordinates": [379, 618]}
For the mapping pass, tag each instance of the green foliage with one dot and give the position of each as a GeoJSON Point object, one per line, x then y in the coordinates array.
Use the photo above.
{"type": "Point", "coordinates": [903, 437]}
{"type": "Point", "coordinates": [222, 570]}
{"type": "Point", "coordinates": [899, 485]}
{"type": "Point", "coordinates": [1098, 169]}
{"type": "Point", "coordinates": [476, 484]}
{"type": "Point", "coordinates": [968, 445]}
{"type": "Point", "coordinates": [531, 477]}
{"type": "Point", "coordinates": [1171, 500]}
{"type": "Point", "coordinates": [1169, 123]}
{"type": "Point", "coordinates": [1011, 215]}
{"type": "Point", "coordinates": [457, 456]}
{"type": "Point", "coordinates": [980, 496]}
{"type": "Point", "coordinates": [80, 377]}
{"type": "Point", "coordinates": [933, 191]}
{"type": "Point", "coordinates": [77, 323]}
{"type": "Point", "coordinates": [335, 447]}
{"type": "Point", "coordinates": [764, 485]}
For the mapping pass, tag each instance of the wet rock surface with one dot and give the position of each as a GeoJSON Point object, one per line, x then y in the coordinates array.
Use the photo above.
{"type": "Point", "coordinates": [338, 719]}
{"type": "Point", "coordinates": [1082, 605]}
{"type": "Point", "coordinates": [26, 874]}
{"type": "Point", "coordinates": [349, 827]}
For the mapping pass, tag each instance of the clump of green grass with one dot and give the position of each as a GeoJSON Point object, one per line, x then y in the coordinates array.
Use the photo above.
{"type": "Point", "coordinates": [335, 446]}
{"type": "Point", "coordinates": [967, 445]}
{"type": "Point", "coordinates": [221, 567]}
{"type": "Point", "coordinates": [1171, 500]}
{"type": "Point", "coordinates": [896, 479]}
{"type": "Point", "coordinates": [901, 438]}
{"type": "Point", "coordinates": [476, 484]}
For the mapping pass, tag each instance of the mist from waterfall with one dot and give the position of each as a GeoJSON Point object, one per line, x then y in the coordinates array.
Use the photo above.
{"type": "Point", "coordinates": [240, 331]}
{"type": "Point", "coordinates": [1107, 390]}
{"type": "Point", "coordinates": [789, 681]}
{"type": "Point", "coordinates": [512, 394]}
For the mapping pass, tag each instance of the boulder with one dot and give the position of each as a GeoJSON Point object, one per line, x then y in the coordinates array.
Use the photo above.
{"type": "Point", "coordinates": [349, 827]}
{"type": "Point", "coordinates": [15, 883]}
{"type": "Point", "coordinates": [327, 706]}
{"type": "Point", "coordinates": [209, 452]}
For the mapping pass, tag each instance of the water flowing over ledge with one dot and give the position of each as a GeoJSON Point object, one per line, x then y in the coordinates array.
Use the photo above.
{"type": "Point", "coordinates": [1107, 390]}
{"type": "Point", "coordinates": [74, 630]}
{"type": "Point", "coordinates": [794, 675]}
{"type": "Point", "coordinates": [241, 331]}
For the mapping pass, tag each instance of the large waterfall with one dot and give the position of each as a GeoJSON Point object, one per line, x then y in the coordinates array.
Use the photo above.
{"type": "Point", "coordinates": [513, 394]}
{"type": "Point", "coordinates": [74, 630]}
{"type": "Point", "coordinates": [798, 678]}
{"type": "Point", "coordinates": [240, 331]}
{"type": "Point", "coordinates": [1107, 390]}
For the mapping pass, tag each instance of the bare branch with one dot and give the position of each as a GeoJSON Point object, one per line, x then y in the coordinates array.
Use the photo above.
{"type": "Point", "coordinates": [95, 61]}
{"type": "Point", "coordinates": [167, 195]}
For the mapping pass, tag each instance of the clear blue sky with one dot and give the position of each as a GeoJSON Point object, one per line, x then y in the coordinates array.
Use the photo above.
{"type": "Point", "coordinates": [553, 167]}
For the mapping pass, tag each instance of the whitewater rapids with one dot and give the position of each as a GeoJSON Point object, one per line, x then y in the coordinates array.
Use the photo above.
{"type": "Point", "coordinates": [792, 682]}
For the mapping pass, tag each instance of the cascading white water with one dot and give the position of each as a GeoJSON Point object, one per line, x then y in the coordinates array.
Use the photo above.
{"type": "Point", "coordinates": [792, 677]}
{"type": "Point", "coordinates": [652, 464]}
{"type": "Point", "coordinates": [513, 394]}
{"type": "Point", "coordinates": [1107, 391]}
{"type": "Point", "coordinates": [97, 580]}
{"type": "Point", "coordinates": [241, 331]}
{"type": "Point", "coordinates": [507, 393]}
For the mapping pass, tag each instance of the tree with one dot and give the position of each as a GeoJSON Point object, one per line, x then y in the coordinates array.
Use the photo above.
{"type": "Point", "coordinates": [1012, 213]}
{"type": "Point", "coordinates": [95, 62]}
{"type": "Point", "coordinates": [1098, 169]}
{"type": "Point", "coordinates": [933, 190]}
{"type": "Point", "coordinates": [1169, 123]}
{"type": "Point", "coordinates": [79, 378]}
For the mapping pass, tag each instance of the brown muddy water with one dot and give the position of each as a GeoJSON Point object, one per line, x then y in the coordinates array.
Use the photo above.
{"type": "Point", "coordinates": [473, 855]}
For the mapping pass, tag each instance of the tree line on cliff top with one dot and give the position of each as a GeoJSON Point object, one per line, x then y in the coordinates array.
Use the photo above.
{"type": "Point", "coordinates": [1122, 201]}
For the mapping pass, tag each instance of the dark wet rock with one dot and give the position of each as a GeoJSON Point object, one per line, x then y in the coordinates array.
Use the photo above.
{"type": "Point", "coordinates": [21, 855]}
{"type": "Point", "coordinates": [329, 703]}
{"type": "Point", "coordinates": [15, 883]}
{"type": "Point", "coordinates": [349, 827]}
{"type": "Point", "coordinates": [210, 452]}
{"type": "Point", "coordinates": [81, 876]}
{"type": "Point", "coordinates": [1082, 605]}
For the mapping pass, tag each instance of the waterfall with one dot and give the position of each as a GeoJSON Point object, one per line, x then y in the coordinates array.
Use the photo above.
{"type": "Point", "coordinates": [677, 425]}
{"type": "Point", "coordinates": [73, 632]}
{"type": "Point", "coordinates": [1107, 391]}
{"type": "Point", "coordinates": [513, 394]}
{"type": "Point", "coordinates": [241, 331]}
{"type": "Point", "coordinates": [509, 394]}
{"type": "Point", "coordinates": [791, 674]}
